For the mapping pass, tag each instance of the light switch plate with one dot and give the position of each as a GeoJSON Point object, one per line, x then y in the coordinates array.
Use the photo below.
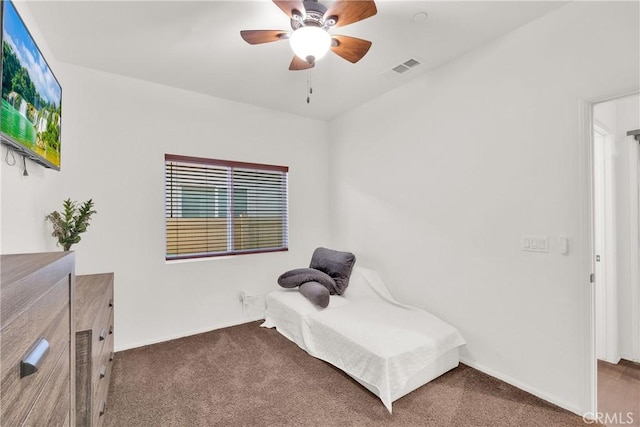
{"type": "Point", "coordinates": [563, 245]}
{"type": "Point", "coordinates": [531, 243]}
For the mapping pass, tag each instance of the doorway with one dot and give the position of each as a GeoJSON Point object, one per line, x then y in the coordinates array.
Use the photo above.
{"type": "Point", "coordinates": [616, 198]}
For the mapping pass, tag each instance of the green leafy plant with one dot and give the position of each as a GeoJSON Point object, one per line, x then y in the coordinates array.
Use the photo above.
{"type": "Point", "coordinates": [73, 221]}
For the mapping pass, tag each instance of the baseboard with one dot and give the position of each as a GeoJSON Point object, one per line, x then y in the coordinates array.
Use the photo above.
{"type": "Point", "coordinates": [614, 361]}
{"type": "Point", "coordinates": [526, 387]}
{"type": "Point", "coordinates": [629, 357]}
{"type": "Point", "coordinates": [183, 335]}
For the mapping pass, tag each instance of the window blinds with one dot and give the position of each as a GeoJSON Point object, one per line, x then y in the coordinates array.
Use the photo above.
{"type": "Point", "coordinates": [219, 207]}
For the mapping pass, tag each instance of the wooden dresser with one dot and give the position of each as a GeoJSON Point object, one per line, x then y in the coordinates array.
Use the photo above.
{"type": "Point", "coordinates": [94, 346]}
{"type": "Point", "coordinates": [37, 335]}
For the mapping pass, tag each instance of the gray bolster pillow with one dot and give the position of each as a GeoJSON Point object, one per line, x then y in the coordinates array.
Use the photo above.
{"type": "Point", "coordinates": [316, 293]}
{"type": "Point", "coordinates": [297, 277]}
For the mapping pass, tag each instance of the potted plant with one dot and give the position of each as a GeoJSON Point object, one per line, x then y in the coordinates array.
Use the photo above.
{"type": "Point", "coordinates": [73, 221]}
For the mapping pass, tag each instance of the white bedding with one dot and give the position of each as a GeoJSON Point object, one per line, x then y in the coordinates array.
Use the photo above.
{"type": "Point", "coordinates": [366, 333]}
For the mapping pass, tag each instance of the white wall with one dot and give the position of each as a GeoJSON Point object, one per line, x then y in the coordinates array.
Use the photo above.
{"type": "Point", "coordinates": [121, 129]}
{"type": "Point", "coordinates": [116, 131]}
{"type": "Point", "coordinates": [434, 184]}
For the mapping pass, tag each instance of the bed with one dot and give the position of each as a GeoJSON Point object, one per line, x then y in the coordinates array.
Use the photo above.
{"type": "Point", "coordinates": [389, 348]}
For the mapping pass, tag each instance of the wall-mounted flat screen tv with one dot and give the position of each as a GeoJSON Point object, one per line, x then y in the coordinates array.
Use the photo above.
{"type": "Point", "coordinates": [31, 112]}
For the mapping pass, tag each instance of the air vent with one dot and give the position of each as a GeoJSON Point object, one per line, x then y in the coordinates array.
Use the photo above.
{"type": "Point", "coordinates": [400, 69]}
{"type": "Point", "coordinates": [406, 66]}
{"type": "Point", "coordinates": [411, 63]}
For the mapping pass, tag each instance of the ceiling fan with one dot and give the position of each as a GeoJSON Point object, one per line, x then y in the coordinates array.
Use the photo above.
{"type": "Point", "coordinates": [311, 21]}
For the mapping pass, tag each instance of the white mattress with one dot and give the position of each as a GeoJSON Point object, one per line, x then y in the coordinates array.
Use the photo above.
{"type": "Point", "coordinates": [390, 348]}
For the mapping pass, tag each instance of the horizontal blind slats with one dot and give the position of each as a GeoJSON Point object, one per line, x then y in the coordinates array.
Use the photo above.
{"type": "Point", "coordinates": [223, 208]}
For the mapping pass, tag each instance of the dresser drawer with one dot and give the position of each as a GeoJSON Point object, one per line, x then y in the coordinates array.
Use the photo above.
{"type": "Point", "coordinates": [48, 317]}
{"type": "Point", "coordinates": [26, 278]}
{"type": "Point", "coordinates": [52, 406]}
{"type": "Point", "coordinates": [94, 299]}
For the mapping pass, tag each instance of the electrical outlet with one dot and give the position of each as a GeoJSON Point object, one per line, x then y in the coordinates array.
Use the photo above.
{"type": "Point", "coordinates": [253, 306]}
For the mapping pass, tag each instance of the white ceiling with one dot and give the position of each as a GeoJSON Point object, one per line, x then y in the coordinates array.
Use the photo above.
{"type": "Point", "coordinates": [196, 45]}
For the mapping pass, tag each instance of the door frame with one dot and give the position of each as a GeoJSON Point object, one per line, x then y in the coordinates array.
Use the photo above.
{"type": "Point", "coordinates": [635, 253]}
{"type": "Point", "coordinates": [587, 259]}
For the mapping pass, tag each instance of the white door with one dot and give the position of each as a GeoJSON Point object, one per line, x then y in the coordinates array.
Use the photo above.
{"type": "Point", "coordinates": [605, 245]}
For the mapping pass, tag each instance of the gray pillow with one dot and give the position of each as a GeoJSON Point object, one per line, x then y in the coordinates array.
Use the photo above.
{"type": "Point", "coordinates": [297, 277]}
{"type": "Point", "coordinates": [316, 293]}
{"type": "Point", "coordinates": [336, 264]}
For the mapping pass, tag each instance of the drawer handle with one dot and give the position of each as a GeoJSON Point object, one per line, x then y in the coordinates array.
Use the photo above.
{"type": "Point", "coordinates": [111, 303]}
{"type": "Point", "coordinates": [103, 335]}
{"type": "Point", "coordinates": [111, 330]}
{"type": "Point", "coordinates": [32, 362]}
{"type": "Point", "coordinates": [103, 371]}
{"type": "Point", "coordinates": [111, 357]}
{"type": "Point", "coordinates": [103, 408]}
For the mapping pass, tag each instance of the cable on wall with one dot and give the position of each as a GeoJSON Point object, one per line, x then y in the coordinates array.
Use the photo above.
{"type": "Point", "coordinates": [11, 162]}
{"type": "Point", "coordinates": [10, 159]}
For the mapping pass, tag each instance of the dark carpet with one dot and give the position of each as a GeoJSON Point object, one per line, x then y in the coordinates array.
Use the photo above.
{"type": "Point", "coordinates": [251, 376]}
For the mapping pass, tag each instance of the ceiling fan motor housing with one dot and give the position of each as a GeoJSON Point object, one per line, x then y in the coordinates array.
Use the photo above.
{"type": "Point", "coordinates": [314, 16]}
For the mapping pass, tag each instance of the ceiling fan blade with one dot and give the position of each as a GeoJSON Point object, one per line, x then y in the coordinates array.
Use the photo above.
{"type": "Point", "coordinates": [350, 48]}
{"type": "Point", "coordinates": [350, 11]}
{"type": "Point", "coordinates": [288, 6]}
{"type": "Point", "coordinates": [263, 36]}
{"type": "Point", "coordinates": [299, 64]}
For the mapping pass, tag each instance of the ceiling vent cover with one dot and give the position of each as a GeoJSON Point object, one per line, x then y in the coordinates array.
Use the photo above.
{"type": "Point", "coordinates": [411, 63]}
{"type": "Point", "coordinates": [406, 66]}
{"type": "Point", "coordinates": [400, 69]}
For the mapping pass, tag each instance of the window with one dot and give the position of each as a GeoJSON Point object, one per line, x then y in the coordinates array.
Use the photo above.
{"type": "Point", "coordinates": [219, 207]}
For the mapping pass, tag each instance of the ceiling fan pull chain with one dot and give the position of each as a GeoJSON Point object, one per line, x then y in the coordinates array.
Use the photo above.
{"type": "Point", "coordinates": [309, 89]}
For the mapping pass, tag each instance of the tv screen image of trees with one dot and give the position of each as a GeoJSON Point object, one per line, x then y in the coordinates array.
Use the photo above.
{"type": "Point", "coordinates": [31, 95]}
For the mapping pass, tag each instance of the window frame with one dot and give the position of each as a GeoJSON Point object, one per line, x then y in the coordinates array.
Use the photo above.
{"type": "Point", "coordinates": [231, 165]}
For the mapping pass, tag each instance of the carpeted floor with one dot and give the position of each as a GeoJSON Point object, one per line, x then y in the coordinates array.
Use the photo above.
{"type": "Point", "coordinates": [251, 376]}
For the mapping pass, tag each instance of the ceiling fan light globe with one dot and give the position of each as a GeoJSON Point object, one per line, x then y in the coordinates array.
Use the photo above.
{"type": "Point", "coordinates": [310, 41]}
